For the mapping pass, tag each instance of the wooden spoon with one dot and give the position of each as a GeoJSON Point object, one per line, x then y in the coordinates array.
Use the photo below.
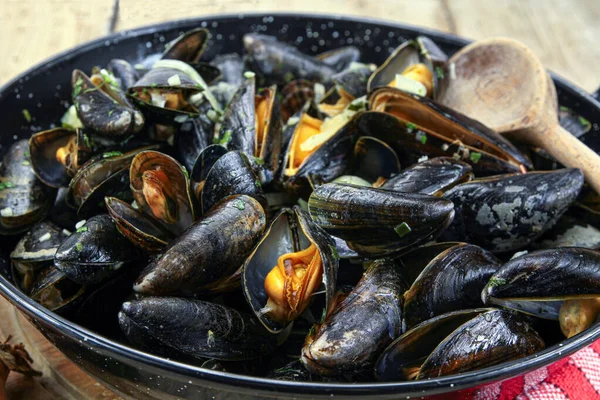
{"type": "Point", "coordinates": [501, 83]}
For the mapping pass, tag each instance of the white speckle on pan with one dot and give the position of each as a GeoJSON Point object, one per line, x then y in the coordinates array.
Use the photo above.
{"type": "Point", "coordinates": [148, 45]}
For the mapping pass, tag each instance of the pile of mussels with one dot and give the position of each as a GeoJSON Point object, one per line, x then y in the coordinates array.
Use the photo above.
{"type": "Point", "coordinates": [250, 214]}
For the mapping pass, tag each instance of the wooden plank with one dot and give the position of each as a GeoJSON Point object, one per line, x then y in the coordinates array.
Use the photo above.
{"type": "Point", "coordinates": [33, 30]}
{"type": "Point", "coordinates": [563, 33]}
{"type": "Point", "coordinates": [428, 13]}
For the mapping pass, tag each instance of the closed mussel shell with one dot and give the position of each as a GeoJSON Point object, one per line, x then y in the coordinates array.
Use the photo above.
{"type": "Point", "coordinates": [507, 212]}
{"type": "Point", "coordinates": [341, 58]}
{"type": "Point", "coordinates": [238, 129]}
{"type": "Point", "coordinates": [102, 107]}
{"type": "Point", "coordinates": [124, 72]}
{"type": "Point", "coordinates": [188, 47]}
{"type": "Point", "coordinates": [354, 80]}
{"type": "Point", "coordinates": [231, 174]}
{"type": "Point", "coordinates": [207, 253]}
{"type": "Point", "coordinates": [194, 136]}
{"type": "Point", "coordinates": [161, 187]}
{"type": "Point", "coordinates": [570, 232]}
{"type": "Point", "coordinates": [453, 280]}
{"type": "Point", "coordinates": [54, 291]}
{"type": "Point", "coordinates": [433, 176]}
{"type": "Point", "coordinates": [57, 154]}
{"type": "Point", "coordinates": [39, 244]}
{"type": "Point", "coordinates": [95, 252]}
{"type": "Point", "coordinates": [24, 199]}
{"type": "Point", "coordinates": [206, 160]}
{"type": "Point", "coordinates": [194, 328]}
{"type": "Point", "coordinates": [537, 283]}
{"type": "Point", "coordinates": [289, 236]}
{"type": "Point", "coordinates": [353, 335]}
{"type": "Point", "coordinates": [141, 229]}
{"type": "Point", "coordinates": [457, 342]}
{"type": "Point", "coordinates": [378, 222]}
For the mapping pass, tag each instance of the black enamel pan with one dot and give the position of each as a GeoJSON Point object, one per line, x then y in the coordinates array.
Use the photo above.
{"type": "Point", "coordinates": [44, 91]}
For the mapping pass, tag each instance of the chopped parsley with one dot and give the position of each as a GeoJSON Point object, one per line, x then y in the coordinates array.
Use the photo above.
{"type": "Point", "coordinates": [78, 246]}
{"type": "Point", "coordinates": [584, 122]}
{"type": "Point", "coordinates": [410, 127]}
{"type": "Point", "coordinates": [334, 252]}
{"type": "Point", "coordinates": [563, 108]}
{"type": "Point", "coordinates": [77, 87]}
{"type": "Point", "coordinates": [226, 137]}
{"type": "Point", "coordinates": [110, 154]}
{"type": "Point", "coordinates": [25, 163]}
{"type": "Point", "coordinates": [439, 71]}
{"type": "Point", "coordinates": [403, 229]}
{"type": "Point", "coordinates": [239, 204]}
{"type": "Point", "coordinates": [82, 229]}
{"type": "Point", "coordinates": [27, 115]}
{"type": "Point", "coordinates": [9, 185]}
{"type": "Point", "coordinates": [185, 172]}
{"type": "Point", "coordinates": [423, 138]}
{"type": "Point", "coordinates": [475, 157]}
{"type": "Point", "coordinates": [257, 183]}
{"type": "Point", "coordinates": [258, 160]}
{"type": "Point", "coordinates": [494, 282]}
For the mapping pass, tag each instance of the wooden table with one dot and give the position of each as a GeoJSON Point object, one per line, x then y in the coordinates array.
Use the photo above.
{"type": "Point", "coordinates": [563, 33]}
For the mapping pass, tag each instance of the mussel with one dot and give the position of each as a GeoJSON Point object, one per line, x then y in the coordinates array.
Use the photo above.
{"type": "Point", "coordinates": [507, 212]}
{"type": "Point", "coordinates": [289, 264]}
{"type": "Point", "coordinates": [209, 252]}
{"type": "Point", "coordinates": [457, 342]}
{"type": "Point", "coordinates": [95, 252]}
{"type": "Point", "coordinates": [352, 336]}
{"type": "Point", "coordinates": [452, 280]}
{"type": "Point", "coordinates": [542, 282]}
{"type": "Point", "coordinates": [102, 107]}
{"type": "Point", "coordinates": [24, 199]}
{"type": "Point", "coordinates": [192, 328]}
{"type": "Point", "coordinates": [378, 222]}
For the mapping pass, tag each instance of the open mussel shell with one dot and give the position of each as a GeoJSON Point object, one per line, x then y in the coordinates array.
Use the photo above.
{"type": "Point", "coordinates": [161, 187]}
{"type": "Point", "coordinates": [116, 185]}
{"type": "Point", "coordinates": [231, 174]}
{"type": "Point", "coordinates": [141, 229]}
{"type": "Point", "coordinates": [57, 154]}
{"type": "Point", "coordinates": [457, 342]}
{"type": "Point", "coordinates": [407, 54]}
{"type": "Point", "coordinates": [279, 63]}
{"type": "Point", "coordinates": [209, 252]}
{"type": "Point", "coordinates": [354, 80]}
{"type": "Point", "coordinates": [188, 47]}
{"type": "Point", "coordinates": [238, 129]}
{"type": "Point", "coordinates": [374, 159]}
{"type": "Point", "coordinates": [231, 67]}
{"type": "Point", "coordinates": [102, 107]}
{"type": "Point", "coordinates": [453, 280]}
{"type": "Point", "coordinates": [295, 95]}
{"type": "Point", "coordinates": [95, 252]}
{"type": "Point", "coordinates": [194, 136]}
{"type": "Point", "coordinates": [54, 291]}
{"type": "Point", "coordinates": [341, 58]}
{"type": "Point", "coordinates": [354, 333]}
{"type": "Point", "coordinates": [24, 199]}
{"type": "Point", "coordinates": [507, 212]}
{"type": "Point", "coordinates": [537, 283]}
{"type": "Point", "coordinates": [378, 222]}
{"type": "Point", "coordinates": [194, 328]}
{"type": "Point", "coordinates": [39, 244]}
{"type": "Point", "coordinates": [322, 164]}
{"type": "Point", "coordinates": [433, 176]}
{"type": "Point", "coordinates": [292, 231]}
{"type": "Point", "coordinates": [487, 151]}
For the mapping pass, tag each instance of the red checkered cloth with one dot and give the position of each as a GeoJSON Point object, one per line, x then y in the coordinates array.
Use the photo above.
{"type": "Point", "coordinates": [575, 378]}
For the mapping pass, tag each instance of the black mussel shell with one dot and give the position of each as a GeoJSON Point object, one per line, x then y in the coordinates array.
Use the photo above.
{"type": "Point", "coordinates": [209, 252]}
{"type": "Point", "coordinates": [231, 67]}
{"type": "Point", "coordinates": [39, 244]}
{"type": "Point", "coordinates": [570, 232]}
{"type": "Point", "coordinates": [340, 59]}
{"type": "Point", "coordinates": [488, 152]}
{"type": "Point", "coordinates": [141, 229]}
{"type": "Point", "coordinates": [352, 336]}
{"type": "Point", "coordinates": [378, 222]}
{"type": "Point", "coordinates": [194, 136]}
{"type": "Point", "coordinates": [63, 214]}
{"type": "Point", "coordinates": [405, 55]}
{"type": "Point", "coordinates": [116, 185]}
{"type": "Point", "coordinates": [103, 108]}
{"type": "Point", "coordinates": [354, 80]}
{"type": "Point", "coordinates": [374, 159]}
{"type": "Point", "coordinates": [75, 148]}
{"type": "Point", "coordinates": [24, 199]}
{"type": "Point", "coordinates": [295, 95]}
{"type": "Point", "coordinates": [126, 74]}
{"type": "Point", "coordinates": [95, 252]}
{"type": "Point", "coordinates": [537, 283]}
{"type": "Point", "coordinates": [280, 63]}
{"type": "Point", "coordinates": [194, 328]}
{"type": "Point", "coordinates": [417, 259]}
{"type": "Point", "coordinates": [238, 129]}
{"type": "Point", "coordinates": [231, 174]}
{"type": "Point", "coordinates": [507, 212]}
{"type": "Point", "coordinates": [290, 231]}
{"type": "Point", "coordinates": [293, 371]}
{"type": "Point", "coordinates": [206, 160]}
{"type": "Point", "coordinates": [452, 281]}
{"type": "Point", "coordinates": [458, 342]}
{"type": "Point", "coordinates": [433, 176]}
{"type": "Point", "coordinates": [188, 47]}
{"type": "Point", "coordinates": [54, 291]}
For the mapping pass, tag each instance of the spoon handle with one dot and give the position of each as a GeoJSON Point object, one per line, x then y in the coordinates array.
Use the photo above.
{"type": "Point", "coordinates": [571, 152]}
